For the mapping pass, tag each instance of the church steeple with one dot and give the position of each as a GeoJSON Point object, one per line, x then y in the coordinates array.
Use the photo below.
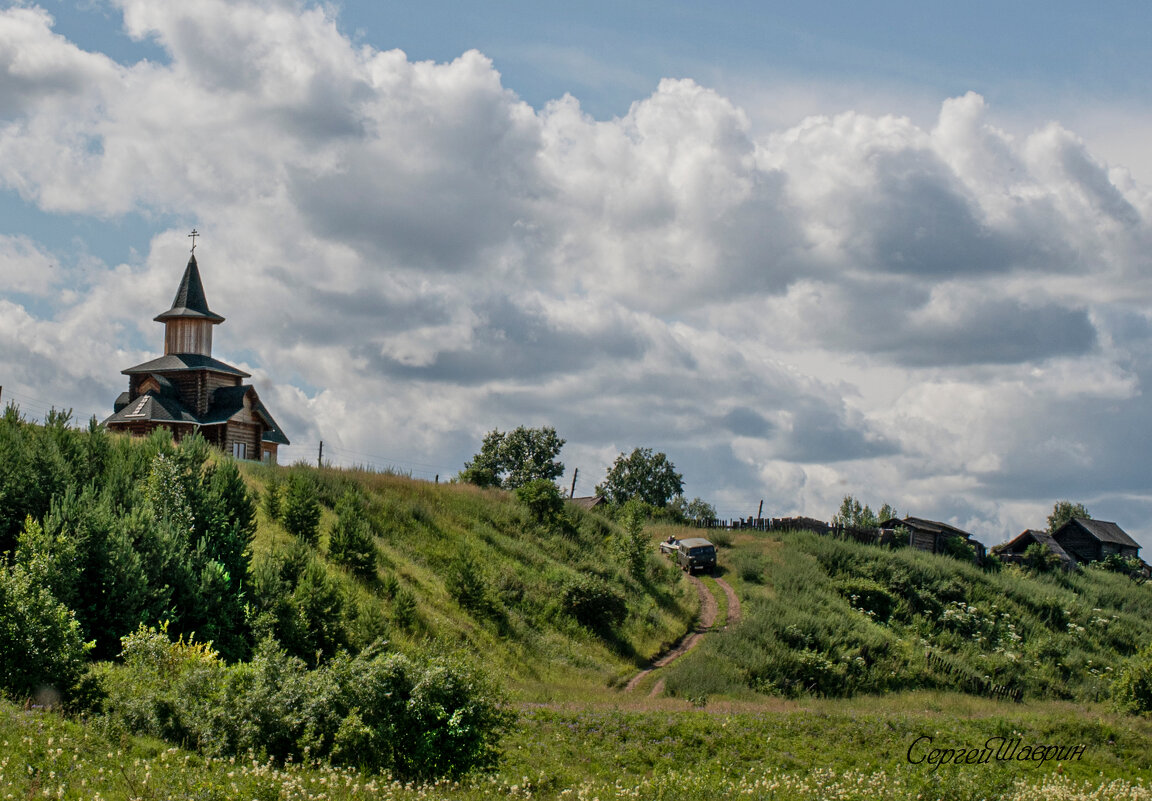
{"type": "Point", "coordinates": [188, 324]}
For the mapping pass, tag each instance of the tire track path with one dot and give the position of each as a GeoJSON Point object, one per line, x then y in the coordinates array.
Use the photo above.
{"type": "Point", "coordinates": [709, 610]}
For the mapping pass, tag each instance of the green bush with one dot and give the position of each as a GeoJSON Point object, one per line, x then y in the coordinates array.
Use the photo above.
{"type": "Point", "coordinates": [541, 498]}
{"type": "Point", "coordinates": [1115, 563]}
{"type": "Point", "coordinates": [41, 650]}
{"type": "Point", "coordinates": [750, 566]}
{"type": "Point", "coordinates": [419, 718]}
{"type": "Point", "coordinates": [1132, 689]}
{"type": "Point", "coordinates": [1039, 558]}
{"type": "Point", "coordinates": [466, 583]}
{"type": "Point", "coordinates": [404, 612]}
{"type": "Point", "coordinates": [594, 604]}
{"type": "Point", "coordinates": [270, 498]}
{"type": "Point", "coordinates": [632, 544]}
{"type": "Point", "coordinates": [868, 596]}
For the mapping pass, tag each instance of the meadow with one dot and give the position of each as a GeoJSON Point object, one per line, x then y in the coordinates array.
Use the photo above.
{"type": "Point", "coordinates": [609, 747]}
{"type": "Point", "coordinates": [373, 636]}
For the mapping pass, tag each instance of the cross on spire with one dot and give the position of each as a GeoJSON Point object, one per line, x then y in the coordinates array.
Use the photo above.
{"type": "Point", "coordinates": [194, 234]}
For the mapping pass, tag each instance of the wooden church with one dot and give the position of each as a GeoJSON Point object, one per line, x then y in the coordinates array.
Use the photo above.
{"type": "Point", "coordinates": [187, 391]}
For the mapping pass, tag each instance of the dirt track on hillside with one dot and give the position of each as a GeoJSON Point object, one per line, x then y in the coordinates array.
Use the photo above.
{"type": "Point", "coordinates": [709, 609]}
{"type": "Point", "coordinates": [733, 603]}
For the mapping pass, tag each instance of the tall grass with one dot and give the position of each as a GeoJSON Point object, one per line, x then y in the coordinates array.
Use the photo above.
{"type": "Point", "coordinates": [486, 573]}
{"type": "Point", "coordinates": [815, 750]}
{"type": "Point", "coordinates": [829, 617]}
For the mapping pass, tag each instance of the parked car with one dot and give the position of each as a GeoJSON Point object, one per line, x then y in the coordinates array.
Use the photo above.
{"type": "Point", "coordinates": [670, 546]}
{"type": "Point", "coordinates": [696, 553]}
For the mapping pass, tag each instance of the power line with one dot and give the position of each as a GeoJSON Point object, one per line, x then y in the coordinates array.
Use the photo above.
{"type": "Point", "coordinates": [341, 457]}
{"type": "Point", "coordinates": [381, 457]}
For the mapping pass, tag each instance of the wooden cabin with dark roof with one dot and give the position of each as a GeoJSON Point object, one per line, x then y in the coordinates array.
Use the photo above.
{"type": "Point", "coordinates": [188, 391]}
{"type": "Point", "coordinates": [931, 535]}
{"type": "Point", "coordinates": [1013, 550]}
{"type": "Point", "coordinates": [1087, 540]}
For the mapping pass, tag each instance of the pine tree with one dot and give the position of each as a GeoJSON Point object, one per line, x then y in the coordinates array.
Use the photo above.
{"type": "Point", "coordinates": [350, 543]}
{"type": "Point", "coordinates": [300, 511]}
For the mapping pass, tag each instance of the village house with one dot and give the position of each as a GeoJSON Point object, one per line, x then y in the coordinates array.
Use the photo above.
{"type": "Point", "coordinates": [1087, 540]}
{"type": "Point", "coordinates": [1013, 550]}
{"type": "Point", "coordinates": [590, 501]}
{"type": "Point", "coordinates": [931, 536]}
{"type": "Point", "coordinates": [188, 391]}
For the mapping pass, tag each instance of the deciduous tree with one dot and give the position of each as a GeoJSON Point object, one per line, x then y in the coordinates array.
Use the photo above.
{"type": "Point", "coordinates": [642, 475]}
{"type": "Point", "coordinates": [1064, 511]}
{"type": "Point", "coordinates": [513, 459]}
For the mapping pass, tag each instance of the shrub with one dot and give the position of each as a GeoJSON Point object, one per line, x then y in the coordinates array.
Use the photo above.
{"type": "Point", "coordinates": [404, 608]}
{"type": "Point", "coordinates": [959, 548]}
{"type": "Point", "coordinates": [1115, 563]}
{"type": "Point", "coordinates": [868, 596]}
{"type": "Point", "coordinates": [419, 718]}
{"type": "Point", "coordinates": [270, 498]}
{"type": "Point", "coordinates": [593, 604]}
{"type": "Point", "coordinates": [466, 584]}
{"type": "Point", "coordinates": [1039, 558]}
{"type": "Point", "coordinates": [41, 650]}
{"type": "Point", "coordinates": [1132, 689]}
{"type": "Point", "coordinates": [750, 566]}
{"type": "Point", "coordinates": [632, 545]}
{"type": "Point", "coordinates": [541, 498]}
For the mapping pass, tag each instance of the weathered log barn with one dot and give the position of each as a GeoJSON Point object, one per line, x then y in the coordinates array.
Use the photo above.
{"type": "Point", "coordinates": [1013, 550]}
{"type": "Point", "coordinates": [1088, 540]}
{"type": "Point", "coordinates": [187, 391]}
{"type": "Point", "coordinates": [931, 535]}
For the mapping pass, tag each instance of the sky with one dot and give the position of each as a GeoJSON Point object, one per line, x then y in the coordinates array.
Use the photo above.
{"type": "Point", "coordinates": [898, 250]}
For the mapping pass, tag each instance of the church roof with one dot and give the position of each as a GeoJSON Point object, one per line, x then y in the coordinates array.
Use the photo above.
{"type": "Point", "coordinates": [178, 362]}
{"type": "Point", "coordinates": [190, 300]}
{"type": "Point", "coordinates": [163, 407]}
{"type": "Point", "coordinates": [227, 401]}
{"type": "Point", "coordinates": [153, 407]}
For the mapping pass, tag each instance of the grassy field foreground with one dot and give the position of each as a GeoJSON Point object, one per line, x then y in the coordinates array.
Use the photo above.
{"type": "Point", "coordinates": [651, 749]}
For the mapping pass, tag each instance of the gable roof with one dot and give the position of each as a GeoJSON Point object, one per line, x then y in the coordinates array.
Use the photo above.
{"type": "Point", "coordinates": [589, 501]}
{"type": "Point", "coordinates": [1028, 536]}
{"type": "Point", "coordinates": [227, 401]}
{"type": "Point", "coordinates": [190, 300]}
{"type": "Point", "coordinates": [176, 362]}
{"type": "Point", "coordinates": [930, 526]}
{"type": "Point", "coordinates": [1103, 530]}
{"type": "Point", "coordinates": [164, 387]}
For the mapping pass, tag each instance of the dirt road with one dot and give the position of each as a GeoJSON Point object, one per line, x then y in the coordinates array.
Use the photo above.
{"type": "Point", "coordinates": [709, 609]}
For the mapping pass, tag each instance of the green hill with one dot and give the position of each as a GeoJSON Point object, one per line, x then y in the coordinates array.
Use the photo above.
{"type": "Point", "coordinates": [373, 621]}
{"type": "Point", "coordinates": [836, 618]}
{"type": "Point", "coordinates": [549, 604]}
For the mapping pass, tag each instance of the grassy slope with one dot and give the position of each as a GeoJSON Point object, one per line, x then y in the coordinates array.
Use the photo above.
{"type": "Point", "coordinates": [578, 730]}
{"type": "Point", "coordinates": [836, 618]}
{"type": "Point", "coordinates": [540, 653]}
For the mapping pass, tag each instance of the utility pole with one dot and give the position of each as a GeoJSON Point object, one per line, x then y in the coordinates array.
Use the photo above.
{"type": "Point", "coordinates": [320, 455]}
{"type": "Point", "coordinates": [760, 511]}
{"type": "Point", "coordinates": [572, 492]}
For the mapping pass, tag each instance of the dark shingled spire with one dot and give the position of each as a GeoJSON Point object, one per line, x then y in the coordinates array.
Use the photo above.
{"type": "Point", "coordinates": [190, 300]}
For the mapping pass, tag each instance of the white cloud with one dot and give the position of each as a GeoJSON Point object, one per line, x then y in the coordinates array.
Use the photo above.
{"type": "Point", "coordinates": [408, 256]}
